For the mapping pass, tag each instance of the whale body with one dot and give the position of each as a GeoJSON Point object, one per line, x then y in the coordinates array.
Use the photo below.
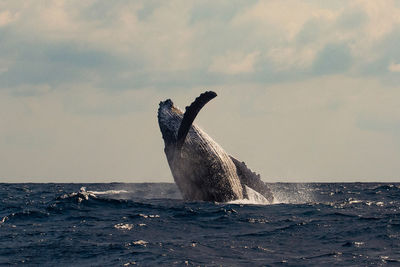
{"type": "Point", "coordinates": [201, 169]}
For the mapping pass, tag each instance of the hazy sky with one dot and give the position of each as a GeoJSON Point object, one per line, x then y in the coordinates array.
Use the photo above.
{"type": "Point", "coordinates": [307, 90]}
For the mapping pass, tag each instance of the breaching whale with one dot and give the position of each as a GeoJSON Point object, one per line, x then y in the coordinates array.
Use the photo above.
{"type": "Point", "coordinates": [201, 169]}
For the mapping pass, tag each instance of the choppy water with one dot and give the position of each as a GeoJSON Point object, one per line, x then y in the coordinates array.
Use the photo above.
{"type": "Point", "coordinates": [116, 224]}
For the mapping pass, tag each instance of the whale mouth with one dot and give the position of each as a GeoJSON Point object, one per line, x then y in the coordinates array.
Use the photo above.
{"type": "Point", "coordinates": [169, 120]}
{"type": "Point", "coordinates": [164, 107]}
{"type": "Point", "coordinates": [166, 104]}
{"type": "Point", "coordinates": [167, 107]}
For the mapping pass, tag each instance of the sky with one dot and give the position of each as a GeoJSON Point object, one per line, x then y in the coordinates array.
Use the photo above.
{"type": "Point", "coordinates": [308, 91]}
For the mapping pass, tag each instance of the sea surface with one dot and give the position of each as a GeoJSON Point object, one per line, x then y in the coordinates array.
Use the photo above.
{"type": "Point", "coordinates": [148, 224]}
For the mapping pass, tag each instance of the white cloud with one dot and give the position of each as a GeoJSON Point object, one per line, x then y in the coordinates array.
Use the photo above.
{"type": "Point", "coordinates": [383, 17]}
{"type": "Point", "coordinates": [5, 18]}
{"type": "Point", "coordinates": [166, 41]}
{"type": "Point", "coordinates": [3, 69]}
{"type": "Point", "coordinates": [287, 17]}
{"type": "Point", "coordinates": [287, 58]}
{"type": "Point", "coordinates": [394, 67]}
{"type": "Point", "coordinates": [311, 129]}
{"type": "Point", "coordinates": [55, 56]}
{"type": "Point", "coordinates": [81, 135]}
{"type": "Point", "coordinates": [292, 131]}
{"type": "Point", "coordinates": [234, 63]}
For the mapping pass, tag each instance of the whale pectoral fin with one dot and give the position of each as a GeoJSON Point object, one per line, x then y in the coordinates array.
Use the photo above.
{"type": "Point", "coordinates": [190, 114]}
{"type": "Point", "coordinates": [252, 180]}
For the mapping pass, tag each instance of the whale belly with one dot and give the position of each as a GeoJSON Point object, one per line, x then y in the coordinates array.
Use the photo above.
{"type": "Point", "coordinates": [203, 170]}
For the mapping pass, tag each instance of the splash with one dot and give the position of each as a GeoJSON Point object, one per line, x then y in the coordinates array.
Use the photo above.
{"type": "Point", "coordinates": [254, 198]}
{"type": "Point", "coordinates": [123, 226]}
{"type": "Point", "coordinates": [78, 196]}
{"type": "Point", "coordinates": [292, 193]}
{"type": "Point", "coordinates": [283, 194]}
{"type": "Point", "coordinates": [108, 192]}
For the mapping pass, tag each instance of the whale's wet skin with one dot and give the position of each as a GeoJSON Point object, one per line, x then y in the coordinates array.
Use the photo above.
{"type": "Point", "coordinates": [200, 167]}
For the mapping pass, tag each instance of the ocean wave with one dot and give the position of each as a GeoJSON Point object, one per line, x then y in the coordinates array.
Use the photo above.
{"type": "Point", "coordinates": [253, 198]}
{"type": "Point", "coordinates": [310, 225]}
{"type": "Point", "coordinates": [124, 226]}
{"type": "Point", "coordinates": [24, 215]}
{"type": "Point", "coordinates": [108, 192]}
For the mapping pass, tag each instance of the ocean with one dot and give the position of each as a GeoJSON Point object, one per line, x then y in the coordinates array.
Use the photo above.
{"type": "Point", "coordinates": [148, 224]}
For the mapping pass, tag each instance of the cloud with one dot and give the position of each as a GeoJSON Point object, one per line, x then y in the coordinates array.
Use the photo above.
{"type": "Point", "coordinates": [54, 64]}
{"type": "Point", "coordinates": [334, 58]}
{"type": "Point", "coordinates": [316, 130]}
{"type": "Point", "coordinates": [314, 81]}
{"type": "Point", "coordinates": [206, 11]}
{"type": "Point", "coordinates": [383, 17]}
{"type": "Point", "coordinates": [152, 43]}
{"type": "Point", "coordinates": [6, 17]}
{"type": "Point", "coordinates": [352, 19]}
{"type": "Point", "coordinates": [70, 135]}
{"type": "Point", "coordinates": [234, 63]}
{"type": "Point", "coordinates": [394, 67]}
{"type": "Point", "coordinates": [288, 19]}
{"type": "Point", "coordinates": [310, 129]}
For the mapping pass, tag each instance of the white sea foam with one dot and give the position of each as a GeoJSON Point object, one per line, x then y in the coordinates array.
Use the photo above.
{"type": "Point", "coordinates": [254, 198]}
{"type": "Point", "coordinates": [358, 244]}
{"type": "Point", "coordinates": [123, 226]}
{"type": "Point", "coordinates": [355, 201]}
{"type": "Point", "coordinates": [4, 219]}
{"type": "Point", "coordinates": [130, 263]}
{"type": "Point", "coordinates": [108, 192]}
{"type": "Point", "coordinates": [140, 242]}
{"type": "Point", "coordinates": [149, 216]}
{"type": "Point", "coordinates": [80, 196]}
{"type": "Point", "coordinates": [287, 194]}
{"type": "Point", "coordinates": [292, 193]}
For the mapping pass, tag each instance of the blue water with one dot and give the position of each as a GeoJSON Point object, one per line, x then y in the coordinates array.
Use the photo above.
{"type": "Point", "coordinates": [116, 224]}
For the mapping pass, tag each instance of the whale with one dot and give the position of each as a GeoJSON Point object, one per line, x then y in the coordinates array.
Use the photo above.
{"type": "Point", "coordinates": [201, 168]}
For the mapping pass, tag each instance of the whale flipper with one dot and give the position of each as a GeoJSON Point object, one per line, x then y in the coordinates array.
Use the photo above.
{"type": "Point", "coordinates": [190, 114]}
{"type": "Point", "coordinates": [251, 179]}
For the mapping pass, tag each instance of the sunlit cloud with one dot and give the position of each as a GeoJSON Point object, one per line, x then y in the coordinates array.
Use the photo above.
{"type": "Point", "coordinates": [5, 18]}
{"type": "Point", "coordinates": [394, 67]}
{"type": "Point", "coordinates": [234, 63]}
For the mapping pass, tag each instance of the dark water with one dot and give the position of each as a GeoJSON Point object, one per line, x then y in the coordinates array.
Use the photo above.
{"type": "Point", "coordinates": [356, 224]}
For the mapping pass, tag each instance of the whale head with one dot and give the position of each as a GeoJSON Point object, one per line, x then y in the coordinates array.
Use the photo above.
{"type": "Point", "coordinates": [169, 120]}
